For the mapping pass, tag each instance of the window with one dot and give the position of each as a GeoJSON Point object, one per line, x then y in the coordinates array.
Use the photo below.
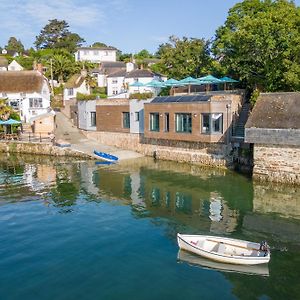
{"type": "Point", "coordinates": [115, 91]}
{"type": "Point", "coordinates": [114, 81]}
{"type": "Point", "coordinates": [126, 120]}
{"type": "Point", "coordinates": [106, 53]}
{"type": "Point", "coordinates": [183, 123]}
{"type": "Point", "coordinates": [167, 122]}
{"type": "Point", "coordinates": [137, 116]}
{"type": "Point", "coordinates": [154, 121]}
{"type": "Point", "coordinates": [35, 102]}
{"type": "Point", "coordinates": [23, 95]}
{"type": "Point", "coordinates": [70, 92]}
{"type": "Point", "coordinates": [4, 95]}
{"type": "Point", "coordinates": [212, 123]}
{"type": "Point", "coordinates": [96, 52]}
{"type": "Point", "coordinates": [93, 118]}
{"type": "Point", "coordinates": [85, 52]}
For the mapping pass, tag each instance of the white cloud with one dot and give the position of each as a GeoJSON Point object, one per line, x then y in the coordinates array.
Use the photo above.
{"type": "Point", "coordinates": [25, 19]}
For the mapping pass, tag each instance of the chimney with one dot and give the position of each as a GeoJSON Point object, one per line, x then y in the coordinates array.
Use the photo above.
{"type": "Point", "coordinates": [39, 68]}
{"type": "Point", "coordinates": [129, 67]}
{"type": "Point", "coordinates": [83, 73]}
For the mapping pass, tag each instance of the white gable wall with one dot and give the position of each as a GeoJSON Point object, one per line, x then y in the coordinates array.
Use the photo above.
{"type": "Point", "coordinates": [95, 55]}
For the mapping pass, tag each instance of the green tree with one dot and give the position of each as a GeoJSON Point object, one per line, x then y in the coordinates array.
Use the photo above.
{"type": "Point", "coordinates": [260, 42]}
{"type": "Point", "coordinates": [184, 57]}
{"type": "Point", "coordinates": [14, 45]}
{"type": "Point", "coordinates": [98, 45]}
{"type": "Point", "coordinates": [56, 35]}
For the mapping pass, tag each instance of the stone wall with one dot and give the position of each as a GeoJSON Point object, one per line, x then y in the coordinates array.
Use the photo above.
{"type": "Point", "coordinates": [277, 163]}
{"type": "Point", "coordinates": [195, 153]}
{"type": "Point", "coordinates": [39, 149]}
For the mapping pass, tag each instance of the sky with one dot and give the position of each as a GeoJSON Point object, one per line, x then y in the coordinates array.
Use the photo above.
{"type": "Point", "coordinates": [129, 25]}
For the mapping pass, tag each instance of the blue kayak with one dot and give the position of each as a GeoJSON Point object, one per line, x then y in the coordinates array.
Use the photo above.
{"type": "Point", "coordinates": [106, 156]}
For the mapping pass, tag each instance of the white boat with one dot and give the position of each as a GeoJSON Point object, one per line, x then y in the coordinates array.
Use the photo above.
{"type": "Point", "coordinates": [208, 264]}
{"type": "Point", "coordinates": [225, 250]}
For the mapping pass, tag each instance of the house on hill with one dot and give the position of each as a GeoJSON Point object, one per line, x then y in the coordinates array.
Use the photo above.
{"type": "Point", "coordinates": [274, 130]}
{"type": "Point", "coordinates": [96, 54]}
{"type": "Point", "coordinates": [26, 91]}
{"type": "Point", "coordinates": [76, 84]}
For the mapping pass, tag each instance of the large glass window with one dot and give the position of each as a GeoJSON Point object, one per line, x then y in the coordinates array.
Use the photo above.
{"type": "Point", "coordinates": [154, 121]}
{"type": "Point", "coordinates": [212, 123]}
{"type": "Point", "coordinates": [126, 120]}
{"type": "Point", "coordinates": [70, 92]}
{"type": "Point", "coordinates": [183, 123]}
{"type": "Point", "coordinates": [93, 118]}
{"type": "Point", "coordinates": [167, 122]}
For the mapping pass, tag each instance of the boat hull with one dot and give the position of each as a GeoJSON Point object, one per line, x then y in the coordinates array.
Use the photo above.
{"type": "Point", "coordinates": [244, 249]}
{"type": "Point", "coordinates": [106, 156]}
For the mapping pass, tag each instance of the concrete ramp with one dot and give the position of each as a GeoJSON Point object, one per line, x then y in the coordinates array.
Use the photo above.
{"type": "Point", "coordinates": [68, 132]}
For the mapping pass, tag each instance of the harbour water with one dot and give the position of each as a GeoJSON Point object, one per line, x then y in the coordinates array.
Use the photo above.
{"type": "Point", "coordinates": [78, 230]}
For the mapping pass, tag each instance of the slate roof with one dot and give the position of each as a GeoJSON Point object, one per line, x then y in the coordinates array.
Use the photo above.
{"type": "Point", "coordinates": [119, 73]}
{"type": "Point", "coordinates": [140, 73]}
{"type": "Point", "coordinates": [21, 82]}
{"type": "Point", "coordinates": [97, 48]}
{"type": "Point", "coordinates": [276, 111]}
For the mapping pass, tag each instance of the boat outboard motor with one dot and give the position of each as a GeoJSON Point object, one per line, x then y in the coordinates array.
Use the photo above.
{"type": "Point", "coordinates": [264, 247]}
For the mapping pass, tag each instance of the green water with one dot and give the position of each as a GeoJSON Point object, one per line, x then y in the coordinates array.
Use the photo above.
{"type": "Point", "coordinates": [75, 230]}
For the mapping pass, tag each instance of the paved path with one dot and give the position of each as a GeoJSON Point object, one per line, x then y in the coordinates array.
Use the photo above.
{"type": "Point", "coordinates": [66, 131]}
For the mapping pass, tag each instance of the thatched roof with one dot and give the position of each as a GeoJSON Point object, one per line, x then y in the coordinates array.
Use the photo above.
{"type": "Point", "coordinates": [276, 111]}
{"type": "Point", "coordinates": [3, 61]}
{"type": "Point", "coordinates": [75, 81]}
{"type": "Point", "coordinates": [21, 82]}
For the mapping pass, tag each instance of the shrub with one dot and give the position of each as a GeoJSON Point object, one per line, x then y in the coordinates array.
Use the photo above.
{"type": "Point", "coordinates": [141, 96]}
{"type": "Point", "coordinates": [83, 97]}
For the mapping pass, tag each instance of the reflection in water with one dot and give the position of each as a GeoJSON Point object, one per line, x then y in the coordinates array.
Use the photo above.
{"type": "Point", "coordinates": [182, 198]}
{"type": "Point", "coordinates": [184, 256]}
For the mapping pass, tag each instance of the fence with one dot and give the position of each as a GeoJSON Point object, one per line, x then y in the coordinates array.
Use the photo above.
{"type": "Point", "coordinates": [27, 137]}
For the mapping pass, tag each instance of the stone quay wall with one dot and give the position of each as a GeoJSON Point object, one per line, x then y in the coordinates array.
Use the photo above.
{"type": "Point", "coordinates": [196, 153]}
{"type": "Point", "coordinates": [277, 163]}
{"type": "Point", "coordinates": [39, 149]}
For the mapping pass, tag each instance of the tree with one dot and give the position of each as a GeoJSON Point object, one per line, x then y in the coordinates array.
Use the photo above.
{"type": "Point", "coordinates": [260, 43]}
{"type": "Point", "coordinates": [98, 45]}
{"type": "Point", "coordinates": [56, 35]}
{"type": "Point", "coordinates": [184, 57]}
{"type": "Point", "coordinates": [14, 45]}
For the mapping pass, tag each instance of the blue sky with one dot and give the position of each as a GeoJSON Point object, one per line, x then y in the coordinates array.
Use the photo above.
{"type": "Point", "coordinates": [129, 25]}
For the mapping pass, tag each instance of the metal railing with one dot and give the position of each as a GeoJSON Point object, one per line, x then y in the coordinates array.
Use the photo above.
{"type": "Point", "coordinates": [26, 137]}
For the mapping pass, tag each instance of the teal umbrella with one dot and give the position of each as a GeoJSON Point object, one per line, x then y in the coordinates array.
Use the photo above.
{"type": "Point", "coordinates": [137, 84]}
{"type": "Point", "coordinates": [1, 122]}
{"type": "Point", "coordinates": [11, 122]}
{"type": "Point", "coordinates": [155, 84]}
{"type": "Point", "coordinates": [227, 80]}
{"type": "Point", "coordinates": [190, 81]}
{"type": "Point", "coordinates": [210, 79]}
{"type": "Point", "coordinates": [172, 82]}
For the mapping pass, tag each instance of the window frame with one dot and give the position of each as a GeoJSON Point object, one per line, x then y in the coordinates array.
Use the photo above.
{"type": "Point", "coordinates": [211, 123]}
{"type": "Point", "coordinates": [93, 119]}
{"type": "Point", "coordinates": [186, 128]}
{"type": "Point", "coordinates": [125, 120]}
{"type": "Point", "coordinates": [153, 122]}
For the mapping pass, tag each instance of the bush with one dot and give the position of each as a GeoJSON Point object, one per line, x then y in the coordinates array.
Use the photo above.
{"type": "Point", "coordinates": [141, 96]}
{"type": "Point", "coordinates": [99, 90]}
{"type": "Point", "coordinates": [83, 97]}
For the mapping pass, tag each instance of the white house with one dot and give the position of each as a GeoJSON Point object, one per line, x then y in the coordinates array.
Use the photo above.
{"type": "Point", "coordinates": [87, 114]}
{"type": "Point", "coordinates": [76, 84]}
{"type": "Point", "coordinates": [26, 91]}
{"type": "Point", "coordinates": [105, 69]}
{"type": "Point", "coordinates": [96, 55]}
{"type": "Point", "coordinates": [119, 83]}
{"type": "Point", "coordinates": [14, 66]}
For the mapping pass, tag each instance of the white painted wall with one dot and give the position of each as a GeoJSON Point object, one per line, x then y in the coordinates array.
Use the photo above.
{"type": "Point", "coordinates": [22, 102]}
{"type": "Point", "coordinates": [84, 114]}
{"type": "Point", "coordinates": [115, 85]}
{"type": "Point", "coordinates": [83, 89]}
{"type": "Point", "coordinates": [137, 107]}
{"type": "Point", "coordinates": [95, 55]}
{"type": "Point", "coordinates": [14, 66]}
